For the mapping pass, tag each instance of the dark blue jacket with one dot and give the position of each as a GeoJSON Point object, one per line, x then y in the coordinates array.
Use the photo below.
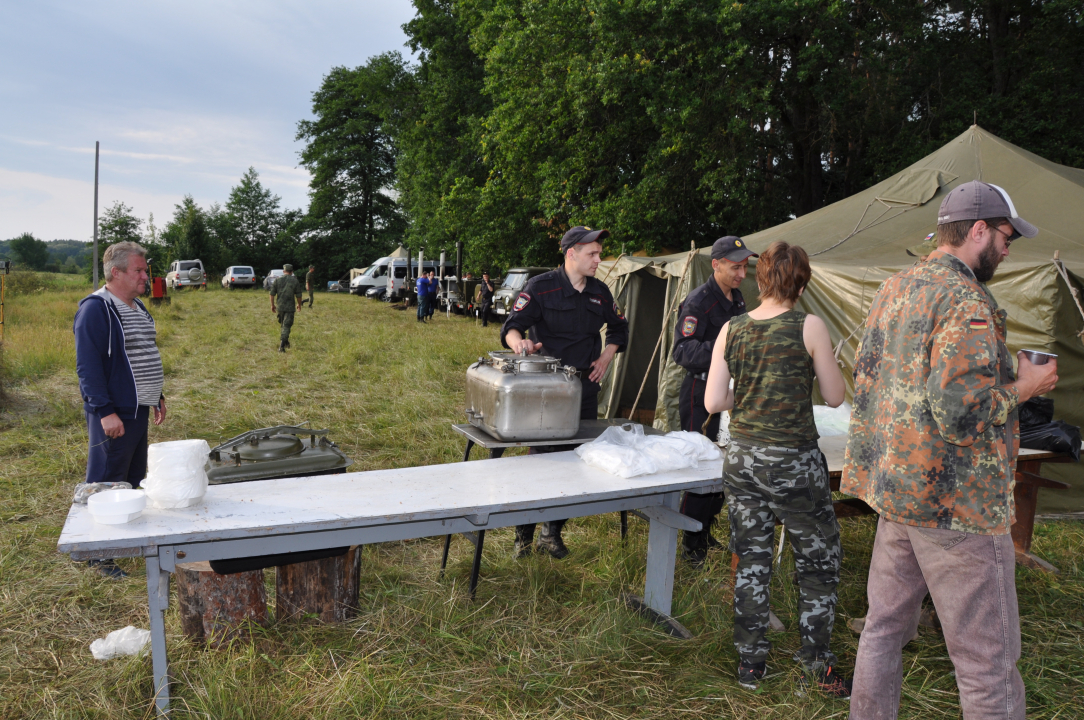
{"type": "Point", "coordinates": [106, 381]}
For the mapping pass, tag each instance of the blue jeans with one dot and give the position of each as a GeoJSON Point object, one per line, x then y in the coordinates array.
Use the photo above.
{"type": "Point", "coordinates": [122, 459]}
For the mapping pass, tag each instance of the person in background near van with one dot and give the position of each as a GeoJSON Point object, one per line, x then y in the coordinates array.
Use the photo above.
{"type": "Point", "coordinates": [485, 294]}
{"type": "Point", "coordinates": [700, 318]}
{"type": "Point", "coordinates": [120, 373]}
{"type": "Point", "coordinates": [422, 288]}
{"type": "Point", "coordinates": [310, 278]}
{"type": "Point", "coordinates": [564, 310]}
{"type": "Point", "coordinates": [287, 290]}
{"type": "Point", "coordinates": [773, 469]}
{"type": "Point", "coordinates": [932, 448]}
{"type": "Point", "coordinates": [434, 286]}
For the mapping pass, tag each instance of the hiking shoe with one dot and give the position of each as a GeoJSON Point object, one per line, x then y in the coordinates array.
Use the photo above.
{"type": "Point", "coordinates": [751, 673]}
{"type": "Point", "coordinates": [828, 681]}
{"type": "Point", "coordinates": [107, 568]}
{"type": "Point", "coordinates": [282, 347]}
{"type": "Point", "coordinates": [553, 544]}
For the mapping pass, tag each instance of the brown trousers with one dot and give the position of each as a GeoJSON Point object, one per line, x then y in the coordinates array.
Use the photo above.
{"type": "Point", "coordinates": [972, 581]}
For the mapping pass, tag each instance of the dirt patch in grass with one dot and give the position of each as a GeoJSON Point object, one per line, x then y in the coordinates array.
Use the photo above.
{"type": "Point", "coordinates": [543, 639]}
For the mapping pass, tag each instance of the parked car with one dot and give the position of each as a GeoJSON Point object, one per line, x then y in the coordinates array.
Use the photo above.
{"type": "Point", "coordinates": [241, 276]}
{"type": "Point", "coordinates": [505, 295]}
{"type": "Point", "coordinates": [377, 293]}
{"type": "Point", "coordinates": [186, 273]}
{"type": "Point", "coordinates": [270, 279]}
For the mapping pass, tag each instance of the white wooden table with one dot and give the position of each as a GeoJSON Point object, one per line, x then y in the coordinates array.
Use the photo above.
{"type": "Point", "coordinates": [295, 514]}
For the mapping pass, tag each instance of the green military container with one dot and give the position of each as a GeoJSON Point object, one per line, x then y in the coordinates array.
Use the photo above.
{"type": "Point", "coordinates": [275, 452]}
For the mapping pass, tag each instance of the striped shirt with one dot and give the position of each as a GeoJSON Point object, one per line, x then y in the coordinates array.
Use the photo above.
{"type": "Point", "coordinates": [139, 345]}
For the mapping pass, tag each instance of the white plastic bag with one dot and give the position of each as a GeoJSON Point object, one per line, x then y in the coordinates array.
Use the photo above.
{"type": "Point", "coordinates": [176, 473]}
{"type": "Point", "coordinates": [669, 453]}
{"type": "Point", "coordinates": [126, 641]}
{"type": "Point", "coordinates": [706, 448]}
{"type": "Point", "coordinates": [629, 434]}
{"type": "Point", "coordinates": [622, 460]}
{"type": "Point", "coordinates": [832, 421]}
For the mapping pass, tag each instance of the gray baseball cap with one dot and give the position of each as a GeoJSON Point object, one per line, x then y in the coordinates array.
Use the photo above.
{"type": "Point", "coordinates": [977, 200]}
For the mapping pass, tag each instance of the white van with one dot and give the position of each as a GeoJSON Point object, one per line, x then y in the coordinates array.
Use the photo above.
{"type": "Point", "coordinates": [376, 275]}
{"type": "Point", "coordinates": [397, 274]}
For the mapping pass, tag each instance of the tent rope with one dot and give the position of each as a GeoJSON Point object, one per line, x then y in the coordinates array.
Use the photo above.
{"type": "Point", "coordinates": [875, 222]}
{"type": "Point", "coordinates": [612, 267]}
{"type": "Point", "coordinates": [1072, 288]}
{"type": "Point", "coordinates": [662, 334]}
{"type": "Point", "coordinates": [841, 343]}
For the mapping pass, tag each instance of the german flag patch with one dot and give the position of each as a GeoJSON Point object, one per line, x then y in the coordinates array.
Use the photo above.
{"type": "Point", "coordinates": [688, 327]}
{"type": "Point", "coordinates": [979, 324]}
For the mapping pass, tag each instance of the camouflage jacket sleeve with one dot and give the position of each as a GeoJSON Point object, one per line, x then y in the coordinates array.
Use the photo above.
{"type": "Point", "coordinates": [963, 387]}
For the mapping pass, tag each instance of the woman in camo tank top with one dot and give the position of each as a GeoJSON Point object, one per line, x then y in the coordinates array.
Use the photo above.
{"type": "Point", "coordinates": [773, 470]}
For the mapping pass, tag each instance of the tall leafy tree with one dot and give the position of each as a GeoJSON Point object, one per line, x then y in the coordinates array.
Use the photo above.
{"type": "Point", "coordinates": [28, 251]}
{"type": "Point", "coordinates": [190, 235]}
{"type": "Point", "coordinates": [252, 222]}
{"type": "Point", "coordinates": [351, 152]}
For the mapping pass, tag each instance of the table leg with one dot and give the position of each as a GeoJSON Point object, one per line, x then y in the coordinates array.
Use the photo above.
{"type": "Point", "coordinates": [659, 587]}
{"type": "Point", "coordinates": [477, 565]}
{"type": "Point", "coordinates": [466, 453]}
{"type": "Point", "coordinates": [496, 453]}
{"type": "Point", "coordinates": [444, 559]}
{"type": "Point", "coordinates": [624, 524]}
{"type": "Point", "coordinates": [1026, 496]}
{"type": "Point", "coordinates": [157, 581]}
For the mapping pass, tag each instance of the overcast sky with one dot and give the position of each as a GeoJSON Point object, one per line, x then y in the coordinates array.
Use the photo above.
{"type": "Point", "coordinates": [184, 97]}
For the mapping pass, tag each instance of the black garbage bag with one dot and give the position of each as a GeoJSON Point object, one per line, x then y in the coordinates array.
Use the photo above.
{"type": "Point", "coordinates": [1036, 411]}
{"type": "Point", "coordinates": [1056, 436]}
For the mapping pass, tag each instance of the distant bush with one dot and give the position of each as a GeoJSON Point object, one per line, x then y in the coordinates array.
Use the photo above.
{"type": "Point", "coordinates": [27, 282]}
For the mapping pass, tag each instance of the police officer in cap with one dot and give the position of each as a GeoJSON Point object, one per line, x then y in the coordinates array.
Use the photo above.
{"type": "Point", "coordinates": [700, 318]}
{"type": "Point", "coordinates": [561, 313]}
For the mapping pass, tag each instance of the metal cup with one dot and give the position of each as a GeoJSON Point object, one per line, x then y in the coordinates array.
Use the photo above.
{"type": "Point", "coordinates": [1037, 357]}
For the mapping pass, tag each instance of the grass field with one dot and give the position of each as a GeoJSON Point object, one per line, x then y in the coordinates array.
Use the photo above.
{"type": "Point", "coordinates": [544, 639]}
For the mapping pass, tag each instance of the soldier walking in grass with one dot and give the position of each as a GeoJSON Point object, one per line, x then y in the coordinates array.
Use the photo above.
{"type": "Point", "coordinates": [285, 292]}
{"type": "Point", "coordinates": [310, 278]}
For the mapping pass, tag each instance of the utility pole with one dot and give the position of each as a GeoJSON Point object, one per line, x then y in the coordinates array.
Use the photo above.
{"type": "Point", "coordinates": [95, 214]}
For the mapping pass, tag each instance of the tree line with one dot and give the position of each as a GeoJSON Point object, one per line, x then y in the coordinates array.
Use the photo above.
{"type": "Point", "coordinates": [669, 121]}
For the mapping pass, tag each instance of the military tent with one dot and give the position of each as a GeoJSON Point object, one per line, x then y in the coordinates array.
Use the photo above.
{"type": "Point", "coordinates": [856, 243]}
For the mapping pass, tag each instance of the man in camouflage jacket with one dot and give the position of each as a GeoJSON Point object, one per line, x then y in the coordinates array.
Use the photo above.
{"type": "Point", "coordinates": [286, 291]}
{"type": "Point", "coordinates": [932, 448]}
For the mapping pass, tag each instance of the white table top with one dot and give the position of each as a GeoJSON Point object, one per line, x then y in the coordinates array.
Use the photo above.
{"type": "Point", "coordinates": [350, 500]}
{"type": "Point", "coordinates": [835, 451]}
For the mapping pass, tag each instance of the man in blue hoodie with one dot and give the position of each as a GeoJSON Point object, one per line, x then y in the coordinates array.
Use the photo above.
{"type": "Point", "coordinates": [120, 373]}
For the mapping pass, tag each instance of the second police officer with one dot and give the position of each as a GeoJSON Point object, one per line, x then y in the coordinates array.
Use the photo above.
{"type": "Point", "coordinates": [700, 318]}
{"type": "Point", "coordinates": [561, 313]}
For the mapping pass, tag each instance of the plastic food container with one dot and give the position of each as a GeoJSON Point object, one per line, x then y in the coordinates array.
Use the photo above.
{"type": "Point", "coordinates": [116, 507]}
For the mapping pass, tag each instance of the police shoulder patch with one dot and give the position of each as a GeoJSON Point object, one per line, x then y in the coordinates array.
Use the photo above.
{"type": "Point", "coordinates": [617, 312]}
{"type": "Point", "coordinates": [521, 302]}
{"type": "Point", "coordinates": [689, 326]}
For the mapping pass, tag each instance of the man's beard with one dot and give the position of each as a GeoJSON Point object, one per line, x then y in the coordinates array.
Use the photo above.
{"type": "Point", "coordinates": [988, 262]}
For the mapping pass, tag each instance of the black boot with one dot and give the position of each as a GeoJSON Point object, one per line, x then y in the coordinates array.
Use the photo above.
{"type": "Point", "coordinates": [524, 540]}
{"type": "Point", "coordinates": [550, 539]}
{"type": "Point", "coordinates": [694, 547]}
{"type": "Point", "coordinates": [282, 346]}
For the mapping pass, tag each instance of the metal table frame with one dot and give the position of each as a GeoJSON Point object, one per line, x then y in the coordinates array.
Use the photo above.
{"type": "Point", "coordinates": [655, 498]}
{"type": "Point", "coordinates": [589, 430]}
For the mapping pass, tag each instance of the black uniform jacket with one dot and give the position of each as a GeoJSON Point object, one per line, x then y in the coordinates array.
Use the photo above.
{"type": "Point", "coordinates": [567, 322]}
{"type": "Point", "coordinates": [700, 319]}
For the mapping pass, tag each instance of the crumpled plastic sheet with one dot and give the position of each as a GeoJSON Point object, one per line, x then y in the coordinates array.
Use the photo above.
{"type": "Point", "coordinates": [626, 451]}
{"type": "Point", "coordinates": [84, 490]}
{"type": "Point", "coordinates": [832, 421]}
{"type": "Point", "coordinates": [176, 473]}
{"type": "Point", "coordinates": [126, 641]}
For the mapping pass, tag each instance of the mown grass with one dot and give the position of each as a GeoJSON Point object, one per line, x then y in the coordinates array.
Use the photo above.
{"type": "Point", "coordinates": [543, 639]}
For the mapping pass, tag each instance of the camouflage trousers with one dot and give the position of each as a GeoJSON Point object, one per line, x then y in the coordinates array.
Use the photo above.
{"type": "Point", "coordinates": [769, 485]}
{"type": "Point", "coordinates": [286, 319]}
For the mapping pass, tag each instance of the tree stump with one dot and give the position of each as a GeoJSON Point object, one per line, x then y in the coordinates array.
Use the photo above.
{"type": "Point", "coordinates": [327, 588]}
{"type": "Point", "coordinates": [217, 609]}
